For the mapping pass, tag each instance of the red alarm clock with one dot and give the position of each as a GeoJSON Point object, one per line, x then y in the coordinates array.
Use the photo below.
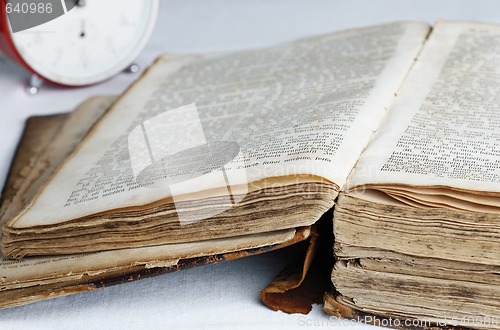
{"type": "Point", "coordinates": [89, 41]}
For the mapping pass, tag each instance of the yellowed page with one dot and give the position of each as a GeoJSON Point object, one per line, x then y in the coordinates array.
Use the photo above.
{"type": "Point", "coordinates": [39, 270]}
{"type": "Point", "coordinates": [46, 142]}
{"type": "Point", "coordinates": [444, 127]}
{"type": "Point", "coordinates": [307, 107]}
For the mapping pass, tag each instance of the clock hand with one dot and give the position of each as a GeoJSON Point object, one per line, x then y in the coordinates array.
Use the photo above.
{"type": "Point", "coordinates": [82, 34]}
{"type": "Point", "coordinates": [81, 3]}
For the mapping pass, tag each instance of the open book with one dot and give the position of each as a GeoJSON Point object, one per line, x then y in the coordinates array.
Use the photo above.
{"type": "Point", "coordinates": [417, 226]}
{"type": "Point", "coordinates": [281, 128]}
{"type": "Point", "coordinates": [45, 143]}
{"type": "Point", "coordinates": [397, 128]}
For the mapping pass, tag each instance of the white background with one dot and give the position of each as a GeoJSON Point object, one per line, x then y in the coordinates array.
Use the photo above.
{"type": "Point", "coordinates": [222, 296]}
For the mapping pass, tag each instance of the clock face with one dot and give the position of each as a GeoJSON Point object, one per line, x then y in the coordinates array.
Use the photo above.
{"type": "Point", "coordinates": [90, 43]}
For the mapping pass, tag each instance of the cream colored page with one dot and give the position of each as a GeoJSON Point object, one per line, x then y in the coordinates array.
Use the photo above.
{"type": "Point", "coordinates": [444, 127]}
{"type": "Point", "coordinates": [307, 107]}
{"type": "Point", "coordinates": [39, 270]}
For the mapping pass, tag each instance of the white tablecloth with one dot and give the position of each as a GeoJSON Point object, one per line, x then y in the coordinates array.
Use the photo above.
{"type": "Point", "coordinates": [222, 296]}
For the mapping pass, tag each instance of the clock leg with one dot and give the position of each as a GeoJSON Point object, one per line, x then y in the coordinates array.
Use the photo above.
{"type": "Point", "coordinates": [132, 68]}
{"type": "Point", "coordinates": [34, 84]}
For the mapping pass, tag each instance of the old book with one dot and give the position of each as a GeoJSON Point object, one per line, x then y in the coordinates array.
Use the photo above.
{"type": "Point", "coordinates": [417, 227]}
{"type": "Point", "coordinates": [45, 143]}
{"type": "Point", "coordinates": [396, 128]}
